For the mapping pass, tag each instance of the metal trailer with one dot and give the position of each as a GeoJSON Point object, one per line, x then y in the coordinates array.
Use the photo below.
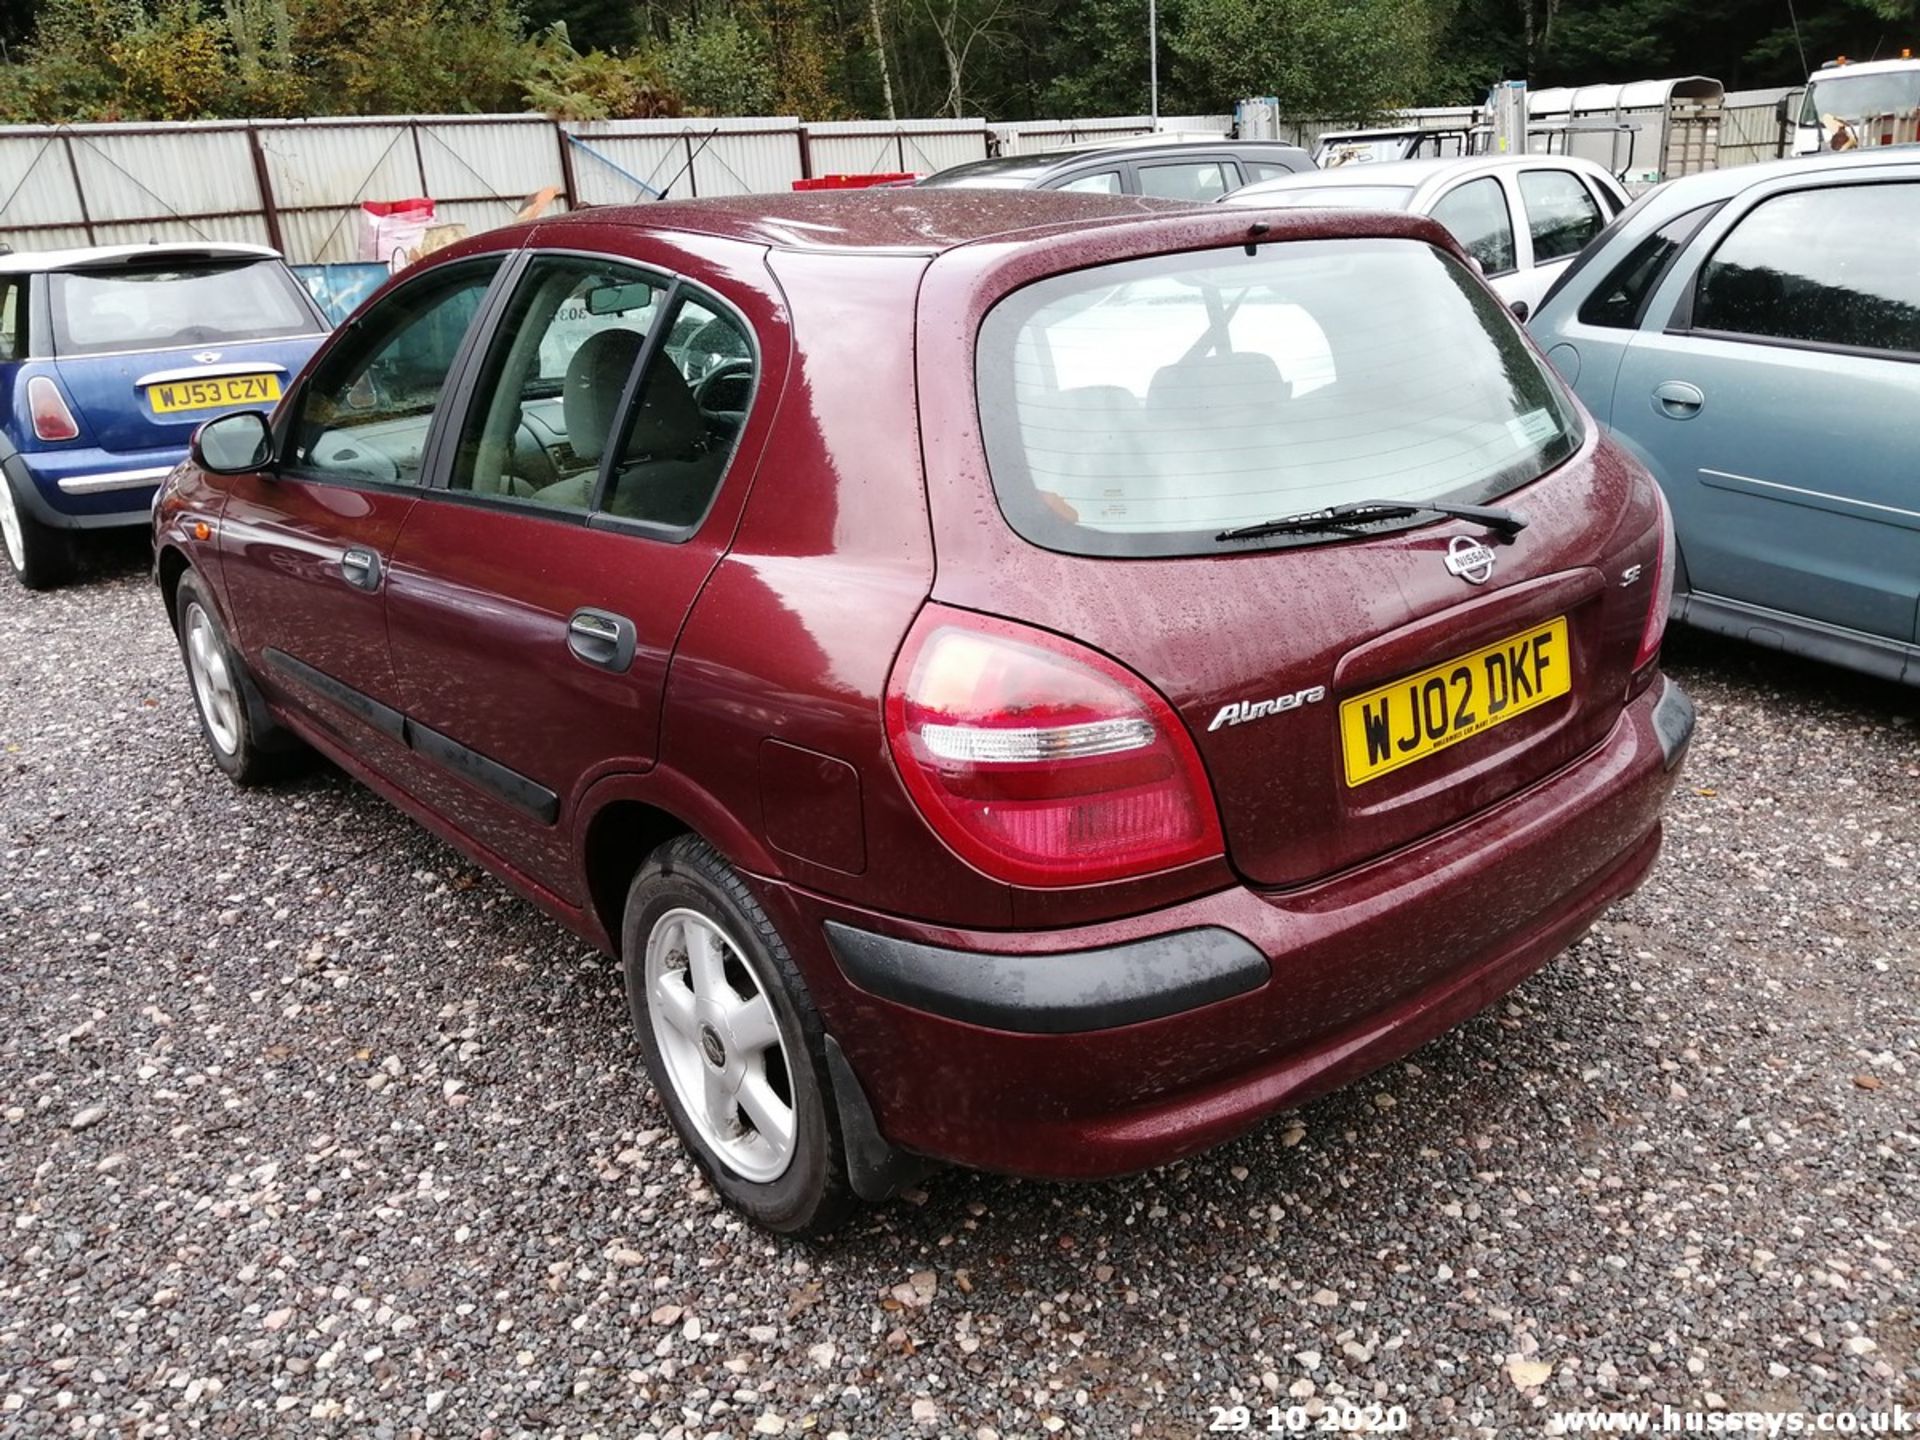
{"type": "Point", "coordinates": [1645, 131]}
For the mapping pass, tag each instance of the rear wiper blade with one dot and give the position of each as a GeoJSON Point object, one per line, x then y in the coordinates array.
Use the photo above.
{"type": "Point", "coordinates": [1504, 522]}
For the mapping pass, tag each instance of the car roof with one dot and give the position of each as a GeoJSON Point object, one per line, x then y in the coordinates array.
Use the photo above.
{"type": "Point", "coordinates": [1410, 175]}
{"type": "Point", "coordinates": [1413, 173]}
{"type": "Point", "coordinates": [94, 257]}
{"type": "Point", "coordinates": [903, 219]}
{"type": "Point", "coordinates": [1030, 169]}
{"type": "Point", "coordinates": [1687, 191]}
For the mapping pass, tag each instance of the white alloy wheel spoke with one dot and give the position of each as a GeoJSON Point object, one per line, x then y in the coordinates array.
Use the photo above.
{"type": "Point", "coordinates": [675, 1002]}
{"type": "Point", "coordinates": [719, 1100]}
{"type": "Point", "coordinates": [706, 962]}
{"type": "Point", "coordinates": [752, 1025]}
{"type": "Point", "coordinates": [771, 1115]}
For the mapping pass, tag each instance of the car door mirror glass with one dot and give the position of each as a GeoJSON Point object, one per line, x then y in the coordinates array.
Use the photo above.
{"type": "Point", "coordinates": [234, 444]}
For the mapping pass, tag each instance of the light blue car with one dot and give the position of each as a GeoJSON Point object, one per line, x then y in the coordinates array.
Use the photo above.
{"type": "Point", "coordinates": [1753, 335]}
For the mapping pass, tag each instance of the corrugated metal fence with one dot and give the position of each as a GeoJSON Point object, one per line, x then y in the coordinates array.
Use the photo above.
{"type": "Point", "coordinates": [298, 184]}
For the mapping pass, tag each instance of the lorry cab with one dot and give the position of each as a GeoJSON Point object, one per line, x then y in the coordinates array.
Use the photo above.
{"type": "Point", "coordinates": [1849, 106]}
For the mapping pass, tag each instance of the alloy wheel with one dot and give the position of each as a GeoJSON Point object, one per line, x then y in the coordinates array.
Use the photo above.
{"type": "Point", "coordinates": [213, 683]}
{"type": "Point", "coordinates": [10, 532]}
{"type": "Point", "coordinates": [721, 1044]}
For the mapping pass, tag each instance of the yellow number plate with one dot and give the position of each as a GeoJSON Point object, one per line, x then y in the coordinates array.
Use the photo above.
{"type": "Point", "coordinates": [1412, 718]}
{"type": "Point", "coordinates": [212, 393]}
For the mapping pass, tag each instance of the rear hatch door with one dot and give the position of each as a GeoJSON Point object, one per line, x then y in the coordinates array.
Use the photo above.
{"type": "Point", "coordinates": [147, 352]}
{"type": "Point", "coordinates": [1349, 690]}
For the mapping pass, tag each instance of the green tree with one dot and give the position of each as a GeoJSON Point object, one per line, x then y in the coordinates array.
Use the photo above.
{"type": "Point", "coordinates": [719, 65]}
{"type": "Point", "coordinates": [1347, 60]}
{"type": "Point", "coordinates": [596, 85]}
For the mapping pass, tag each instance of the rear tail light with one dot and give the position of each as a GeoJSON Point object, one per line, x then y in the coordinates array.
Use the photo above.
{"type": "Point", "coordinates": [1661, 603]}
{"type": "Point", "coordinates": [1039, 761]}
{"type": "Point", "coordinates": [52, 420]}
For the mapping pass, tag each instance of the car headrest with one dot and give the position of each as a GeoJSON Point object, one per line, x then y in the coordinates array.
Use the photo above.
{"type": "Point", "coordinates": [596, 378]}
{"type": "Point", "coordinates": [1238, 380]}
{"type": "Point", "coordinates": [669, 423]}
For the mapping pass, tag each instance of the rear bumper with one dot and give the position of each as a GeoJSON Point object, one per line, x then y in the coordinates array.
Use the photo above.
{"type": "Point", "coordinates": [89, 488]}
{"type": "Point", "coordinates": [1113, 1048]}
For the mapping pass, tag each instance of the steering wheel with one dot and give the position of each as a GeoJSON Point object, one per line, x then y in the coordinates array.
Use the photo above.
{"type": "Point", "coordinates": [726, 369]}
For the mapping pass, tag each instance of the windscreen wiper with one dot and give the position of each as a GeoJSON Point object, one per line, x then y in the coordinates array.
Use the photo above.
{"type": "Point", "coordinates": [1506, 523]}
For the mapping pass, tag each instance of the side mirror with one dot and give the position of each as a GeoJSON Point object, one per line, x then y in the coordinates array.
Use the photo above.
{"type": "Point", "coordinates": [1520, 310]}
{"type": "Point", "coordinates": [1783, 109]}
{"type": "Point", "coordinates": [233, 444]}
{"type": "Point", "coordinates": [1474, 261]}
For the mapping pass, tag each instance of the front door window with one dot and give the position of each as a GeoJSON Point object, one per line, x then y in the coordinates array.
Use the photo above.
{"type": "Point", "coordinates": [366, 412]}
{"type": "Point", "coordinates": [554, 380]}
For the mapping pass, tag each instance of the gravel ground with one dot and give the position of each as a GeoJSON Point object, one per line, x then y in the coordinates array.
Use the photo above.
{"type": "Point", "coordinates": [311, 1128]}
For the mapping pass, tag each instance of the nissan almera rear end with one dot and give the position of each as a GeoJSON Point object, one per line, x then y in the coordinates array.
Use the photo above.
{"type": "Point", "coordinates": [1126, 672]}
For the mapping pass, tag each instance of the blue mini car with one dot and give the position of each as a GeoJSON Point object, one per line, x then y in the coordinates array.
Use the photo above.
{"type": "Point", "coordinates": [1753, 335]}
{"type": "Point", "coordinates": [110, 358]}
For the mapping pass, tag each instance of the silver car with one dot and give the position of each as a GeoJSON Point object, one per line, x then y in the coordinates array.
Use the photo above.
{"type": "Point", "coordinates": [1522, 217]}
{"type": "Point", "coordinates": [1754, 336]}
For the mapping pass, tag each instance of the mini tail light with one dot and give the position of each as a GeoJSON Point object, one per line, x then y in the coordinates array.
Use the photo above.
{"type": "Point", "coordinates": [52, 420]}
{"type": "Point", "coordinates": [1040, 762]}
{"type": "Point", "coordinates": [1660, 605]}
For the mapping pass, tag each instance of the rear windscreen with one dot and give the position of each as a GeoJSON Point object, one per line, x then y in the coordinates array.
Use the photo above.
{"type": "Point", "coordinates": [150, 307]}
{"type": "Point", "coordinates": [1142, 408]}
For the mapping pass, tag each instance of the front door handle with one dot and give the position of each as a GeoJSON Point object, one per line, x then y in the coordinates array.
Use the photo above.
{"type": "Point", "coordinates": [361, 568]}
{"type": "Point", "coordinates": [603, 639]}
{"type": "Point", "coordinates": [1678, 400]}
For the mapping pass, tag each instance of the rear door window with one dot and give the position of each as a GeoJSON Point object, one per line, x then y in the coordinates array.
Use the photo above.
{"type": "Point", "coordinates": [1819, 267]}
{"type": "Point", "coordinates": [1477, 215]}
{"type": "Point", "coordinates": [681, 430]}
{"type": "Point", "coordinates": [152, 306]}
{"type": "Point", "coordinates": [1561, 214]}
{"type": "Point", "coordinates": [1203, 181]}
{"type": "Point", "coordinates": [1619, 301]}
{"type": "Point", "coordinates": [1610, 202]}
{"type": "Point", "coordinates": [1107, 182]}
{"type": "Point", "coordinates": [1266, 170]}
{"type": "Point", "coordinates": [1141, 408]}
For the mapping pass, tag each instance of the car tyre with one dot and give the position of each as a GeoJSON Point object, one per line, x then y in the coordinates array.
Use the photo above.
{"type": "Point", "coordinates": [732, 1041]}
{"type": "Point", "coordinates": [40, 556]}
{"type": "Point", "coordinates": [243, 739]}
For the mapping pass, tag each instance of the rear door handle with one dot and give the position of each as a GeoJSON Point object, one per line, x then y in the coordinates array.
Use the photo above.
{"type": "Point", "coordinates": [1678, 400]}
{"type": "Point", "coordinates": [603, 639]}
{"type": "Point", "coordinates": [361, 568]}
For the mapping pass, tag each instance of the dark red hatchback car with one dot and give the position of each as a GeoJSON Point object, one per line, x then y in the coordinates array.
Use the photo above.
{"type": "Point", "coordinates": [1034, 681]}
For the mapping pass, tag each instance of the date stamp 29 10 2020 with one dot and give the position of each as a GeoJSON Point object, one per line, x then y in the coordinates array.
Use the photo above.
{"type": "Point", "coordinates": [1333, 1419]}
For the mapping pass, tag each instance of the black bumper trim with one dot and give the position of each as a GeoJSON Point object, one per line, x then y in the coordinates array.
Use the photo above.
{"type": "Point", "coordinates": [1055, 994]}
{"type": "Point", "coordinates": [1673, 716]}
